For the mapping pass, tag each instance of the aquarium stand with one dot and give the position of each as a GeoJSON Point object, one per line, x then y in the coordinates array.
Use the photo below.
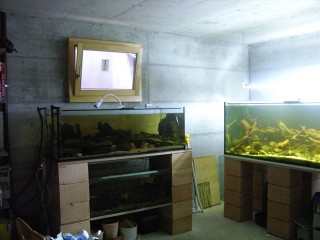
{"type": "Point", "coordinates": [86, 192]}
{"type": "Point", "coordinates": [281, 192]}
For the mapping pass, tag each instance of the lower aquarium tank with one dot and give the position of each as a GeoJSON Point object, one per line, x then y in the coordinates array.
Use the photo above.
{"type": "Point", "coordinates": [82, 134]}
{"type": "Point", "coordinates": [286, 133]}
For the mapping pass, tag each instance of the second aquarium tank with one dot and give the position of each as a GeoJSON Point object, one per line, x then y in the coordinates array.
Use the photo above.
{"type": "Point", "coordinates": [286, 132]}
{"type": "Point", "coordinates": [91, 133]}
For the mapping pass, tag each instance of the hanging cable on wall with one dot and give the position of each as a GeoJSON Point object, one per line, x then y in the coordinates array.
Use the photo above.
{"type": "Point", "coordinates": [24, 188]}
{"type": "Point", "coordinates": [41, 172]}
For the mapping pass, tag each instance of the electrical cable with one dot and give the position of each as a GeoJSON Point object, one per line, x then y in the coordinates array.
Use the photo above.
{"type": "Point", "coordinates": [23, 189]}
{"type": "Point", "coordinates": [39, 154]}
{"type": "Point", "coordinates": [41, 167]}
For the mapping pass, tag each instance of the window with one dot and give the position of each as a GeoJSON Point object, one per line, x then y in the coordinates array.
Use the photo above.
{"type": "Point", "coordinates": [97, 68]}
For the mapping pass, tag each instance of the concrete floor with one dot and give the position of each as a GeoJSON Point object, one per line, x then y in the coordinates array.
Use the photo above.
{"type": "Point", "coordinates": [212, 225]}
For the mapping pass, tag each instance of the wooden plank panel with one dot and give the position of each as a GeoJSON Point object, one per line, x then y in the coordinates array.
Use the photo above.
{"type": "Point", "coordinates": [206, 174]}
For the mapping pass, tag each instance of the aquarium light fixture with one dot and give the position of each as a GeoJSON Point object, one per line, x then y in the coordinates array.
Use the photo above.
{"type": "Point", "coordinates": [100, 101]}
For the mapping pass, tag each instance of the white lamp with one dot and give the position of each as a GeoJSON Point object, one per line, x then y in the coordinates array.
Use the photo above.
{"type": "Point", "coordinates": [100, 101]}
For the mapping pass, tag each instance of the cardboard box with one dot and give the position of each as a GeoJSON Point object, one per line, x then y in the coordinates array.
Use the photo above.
{"type": "Point", "coordinates": [283, 212]}
{"type": "Point", "coordinates": [259, 191]}
{"type": "Point", "coordinates": [238, 214]}
{"type": "Point", "coordinates": [286, 195]}
{"type": "Point", "coordinates": [281, 229]}
{"type": "Point", "coordinates": [315, 175]}
{"type": "Point", "coordinates": [284, 176]}
{"type": "Point", "coordinates": [182, 192]}
{"type": "Point", "coordinates": [306, 185]}
{"type": "Point", "coordinates": [176, 226]}
{"type": "Point", "coordinates": [239, 184]}
{"type": "Point", "coordinates": [258, 205]}
{"type": "Point", "coordinates": [181, 160]}
{"type": "Point", "coordinates": [73, 173]}
{"type": "Point", "coordinates": [76, 192]}
{"type": "Point", "coordinates": [177, 210]}
{"type": "Point", "coordinates": [237, 168]}
{"type": "Point", "coordinates": [260, 167]}
{"type": "Point", "coordinates": [174, 161]}
{"type": "Point", "coordinates": [259, 177]}
{"type": "Point", "coordinates": [238, 199]}
{"type": "Point", "coordinates": [181, 176]}
{"type": "Point", "coordinates": [309, 185]}
{"type": "Point", "coordinates": [74, 212]}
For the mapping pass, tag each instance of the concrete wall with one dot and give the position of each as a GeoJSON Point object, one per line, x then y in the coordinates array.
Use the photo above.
{"type": "Point", "coordinates": [291, 65]}
{"type": "Point", "coordinates": [177, 72]}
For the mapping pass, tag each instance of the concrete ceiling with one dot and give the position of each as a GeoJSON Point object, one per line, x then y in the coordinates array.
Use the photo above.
{"type": "Point", "coordinates": [243, 21]}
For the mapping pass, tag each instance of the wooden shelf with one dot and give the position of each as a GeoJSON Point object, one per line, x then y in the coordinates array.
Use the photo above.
{"type": "Point", "coordinates": [78, 187]}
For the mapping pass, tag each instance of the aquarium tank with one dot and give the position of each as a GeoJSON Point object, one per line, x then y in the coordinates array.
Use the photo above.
{"type": "Point", "coordinates": [286, 133]}
{"type": "Point", "coordinates": [93, 133]}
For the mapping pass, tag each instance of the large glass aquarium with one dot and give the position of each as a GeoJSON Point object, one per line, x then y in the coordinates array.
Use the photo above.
{"type": "Point", "coordinates": [82, 134]}
{"type": "Point", "coordinates": [286, 133]}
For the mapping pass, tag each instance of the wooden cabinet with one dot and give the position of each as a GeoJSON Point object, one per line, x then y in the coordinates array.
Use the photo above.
{"type": "Point", "coordinates": [90, 190]}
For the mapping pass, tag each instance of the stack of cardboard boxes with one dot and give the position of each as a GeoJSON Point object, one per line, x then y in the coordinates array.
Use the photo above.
{"type": "Point", "coordinates": [69, 208]}
{"type": "Point", "coordinates": [238, 190]}
{"type": "Point", "coordinates": [177, 218]}
{"type": "Point", "coordinates": [284, 201]}
{"type": "Point", "coordinates": [315, 189]}
{"type": "Point", "coordinates": [283, 194]}
{"type": "Point", "coordinates": [259, 188]}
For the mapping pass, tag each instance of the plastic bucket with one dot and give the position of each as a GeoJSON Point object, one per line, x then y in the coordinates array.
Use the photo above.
{"type": "Point", "coordinates": [129, 233]}
{"type": "Point", "coordinates": [110, 228]}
